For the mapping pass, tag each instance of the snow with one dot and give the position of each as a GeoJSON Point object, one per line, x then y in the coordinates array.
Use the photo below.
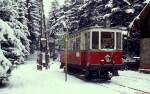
{"type": "Point", "coordinates": [107, 16]}
{"type": "Point", "coordinates": [109, 4]}
{"type": "Point", "coordinates": [26, 79]}
{"type": "Point", "coordinates": [115, 9]}
{"type": "Point", "coordinates": [64, 24]}
{"type": "Point", "coordinates": [147, 1]}
{"type": "Point", "coordinates": [83, 6]}
{"type": "Point", "coordinates": [132, 23]}
{"type": "Point", "coordinates": [127, 2]}
{"type": "Point", "coordinates": [135, 80]}
{"type": "Point", "coordinates": [43, 39]}
{"type": "Point", "coordinates": [5, 29]}
{"type": "Point", "coordinates": [7, 35]}
{"type": "Point", "coordinates": [129, 10]}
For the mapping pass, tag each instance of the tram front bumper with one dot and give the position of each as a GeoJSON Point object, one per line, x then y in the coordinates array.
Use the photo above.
{"type": "Point", "coordinates": [107, 67]}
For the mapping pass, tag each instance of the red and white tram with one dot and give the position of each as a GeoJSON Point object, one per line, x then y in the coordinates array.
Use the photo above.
{"type": "Point", "coordinates": [95, 52]}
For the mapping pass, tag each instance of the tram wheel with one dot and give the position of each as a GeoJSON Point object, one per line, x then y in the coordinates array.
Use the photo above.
{"type": "Point", "coordinates": [109, 76]}
{"type": "Point", "coordinates": [87, 75]}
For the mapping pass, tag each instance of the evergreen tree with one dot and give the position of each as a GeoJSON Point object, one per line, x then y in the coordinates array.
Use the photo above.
{"type": "Point", "coordinates": [34, 17]}
{"type": "Point", "coordinates": [54, 16]}
{"type": "Point", "coordinates": [12, 50]}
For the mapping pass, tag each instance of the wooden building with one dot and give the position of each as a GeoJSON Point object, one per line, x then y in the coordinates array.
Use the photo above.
{"type": "Point", "coordinates": [142, 24]}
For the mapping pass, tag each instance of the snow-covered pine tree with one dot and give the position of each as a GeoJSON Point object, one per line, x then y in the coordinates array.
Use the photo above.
{"type": "Point", "coordinates": [72, 13]}
{"type": "Point", "coordinates": [54, 25]}
{"type": "Point", "coordinates": [91, 13]}
{"type": "Point", "coordinates": [121, 12]}
{"type": "Point", "coordinates": [54, 18]}
{"type": "Point", "coordinates": [22, 11]}
{"type": "Point", "coordinates": [5, 64]}
{"type": "Point", "coordinates": [100, 12]}
{"type": "Point", "coordinates": [34, 21]}
{"type": "Point", "coordinates": [14, 49]}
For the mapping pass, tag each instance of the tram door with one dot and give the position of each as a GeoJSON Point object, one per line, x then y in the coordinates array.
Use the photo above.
{"type": "Point", "coordinates": [91, 43]}
{"type": "Point", "coordinates": [86, 47]}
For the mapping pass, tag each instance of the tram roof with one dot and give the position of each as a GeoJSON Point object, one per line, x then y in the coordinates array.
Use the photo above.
{"type": "Point", "coordinates": [104, 28]}
{"type": "Point", "coordinates": [114, 29]}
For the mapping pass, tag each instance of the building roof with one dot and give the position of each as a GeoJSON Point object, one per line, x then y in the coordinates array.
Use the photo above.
{"type": "Point", "coordinates": [138, 20]}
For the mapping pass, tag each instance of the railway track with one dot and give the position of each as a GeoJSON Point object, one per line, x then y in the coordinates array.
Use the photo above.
{"type": "Point", "coordinates": [115, 86]}
{"type": "Point", "coordinates": [133, 77]}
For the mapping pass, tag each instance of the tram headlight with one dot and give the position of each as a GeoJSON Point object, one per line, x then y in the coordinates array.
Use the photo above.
{"type": "Point", "coordinates": [108, 58]}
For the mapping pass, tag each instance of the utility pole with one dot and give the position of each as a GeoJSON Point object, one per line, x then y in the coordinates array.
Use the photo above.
{"type": "Point", "coordinates": [66, 38]}
{"type": "Point", "coordinates": [66, 54]}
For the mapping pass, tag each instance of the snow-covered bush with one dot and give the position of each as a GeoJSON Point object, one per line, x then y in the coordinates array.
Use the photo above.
{"type": "Point", "coordinates": [5, 65]}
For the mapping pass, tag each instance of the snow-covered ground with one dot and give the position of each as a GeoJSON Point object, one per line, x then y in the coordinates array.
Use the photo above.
{"type": "Point", "coordinates": [26, 79]}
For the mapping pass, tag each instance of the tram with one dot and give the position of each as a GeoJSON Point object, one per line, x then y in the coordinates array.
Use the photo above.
{"type": "Point", "coordinates": [95, 52]}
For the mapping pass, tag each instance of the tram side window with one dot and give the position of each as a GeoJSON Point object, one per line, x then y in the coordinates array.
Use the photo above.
{"type": "Point", "coordinates": [70, 45]}
{"type": "Point", "coordinates": [95, 40]}
{"type": "Point", "coordinates": [74, 44]}
{"type": "Point", "coordinates": [77, 43]}
{"type": "Point", "coordinates": [107, 40]}
{"type": "Point", "coordinates": [87, 41]}
{"type": "Point", "coordinates": [118, 40]}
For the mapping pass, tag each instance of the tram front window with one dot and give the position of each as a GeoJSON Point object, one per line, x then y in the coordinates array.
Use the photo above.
{"type": "Point", "coordinates": [107, 40]}
{"type": "Point", "coordinates": [95, 40]}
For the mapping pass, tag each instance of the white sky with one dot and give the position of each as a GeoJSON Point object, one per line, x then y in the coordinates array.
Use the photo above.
{"type": "Point", "coordinates": [47, 5]}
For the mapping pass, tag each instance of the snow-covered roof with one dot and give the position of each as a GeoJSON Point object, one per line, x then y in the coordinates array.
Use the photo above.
{"type": "Point", "coordinates": [141, 16]}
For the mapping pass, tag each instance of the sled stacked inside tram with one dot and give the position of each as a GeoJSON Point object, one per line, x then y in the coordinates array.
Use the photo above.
{"type": "Point", "coordinates": [95, 52]}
